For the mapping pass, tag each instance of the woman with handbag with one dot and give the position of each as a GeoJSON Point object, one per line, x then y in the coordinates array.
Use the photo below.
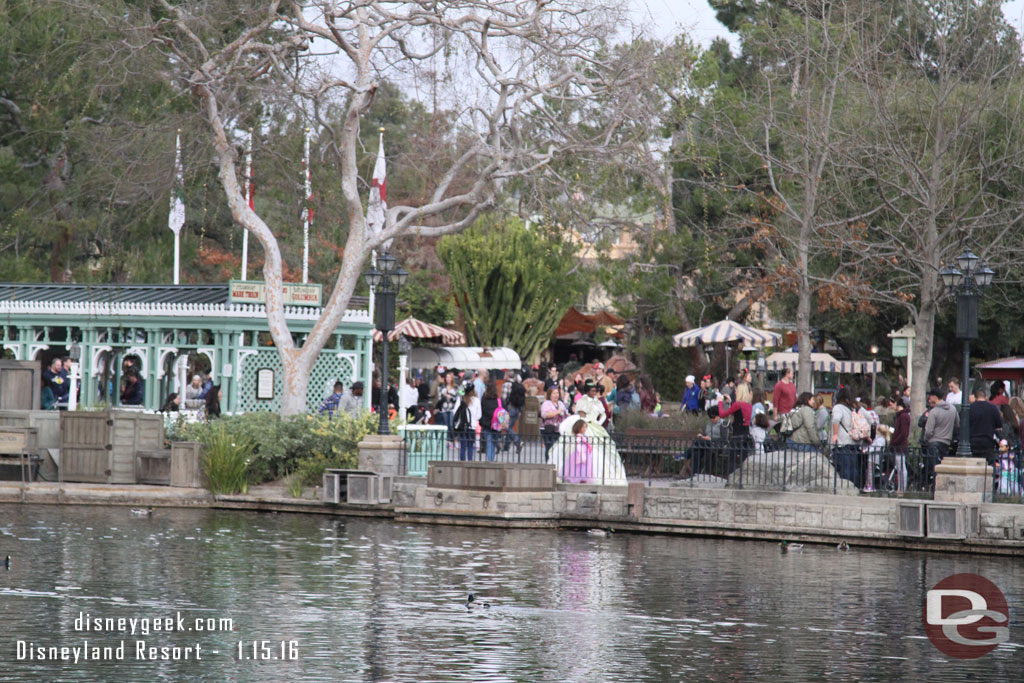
{"type": "Point", "coordinates": [552, 412]}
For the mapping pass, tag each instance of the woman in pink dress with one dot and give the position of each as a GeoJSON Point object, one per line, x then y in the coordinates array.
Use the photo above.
{"type": "Point", "coordinates": [577, 466]}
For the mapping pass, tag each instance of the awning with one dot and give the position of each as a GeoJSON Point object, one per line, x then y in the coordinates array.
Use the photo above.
{"type": "Point", "coordinates": [573, 321]}
{"type": "Point", "coordinates": [820, 362]}
{"type": "Point", "coordinates": [1002, 368]}
{"type": "Point", "coordinates": [726, 331]}
{"type": "Point", "coordinates": [417, 329]}
{"type": "Point", "coordinates": [465, 358]}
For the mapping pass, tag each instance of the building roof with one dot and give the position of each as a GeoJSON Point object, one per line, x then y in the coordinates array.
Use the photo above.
{"type": "Point", "coordinates": [123, 293]}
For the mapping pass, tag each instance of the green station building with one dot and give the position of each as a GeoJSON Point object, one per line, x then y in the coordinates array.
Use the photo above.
{"type": "Point", "coordinates": [170, 332]}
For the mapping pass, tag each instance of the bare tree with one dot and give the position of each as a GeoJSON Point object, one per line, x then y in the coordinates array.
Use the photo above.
{"type": "Point", "coordinates": [792, 120]}
{"type": "Point", "coordinates": [503, 60]}
{"type": "Point", "coordinates": [941, 146]}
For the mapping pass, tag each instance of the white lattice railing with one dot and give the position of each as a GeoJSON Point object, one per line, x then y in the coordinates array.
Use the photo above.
{"type": "Point", "coordinates": [91, 308]}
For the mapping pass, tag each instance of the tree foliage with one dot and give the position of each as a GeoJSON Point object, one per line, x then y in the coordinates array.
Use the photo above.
{"type": "Point", "coordinates": [513, 285]}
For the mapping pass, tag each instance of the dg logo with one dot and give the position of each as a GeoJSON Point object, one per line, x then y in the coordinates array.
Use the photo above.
{"type": "Point", "coordinates": [965, 616]}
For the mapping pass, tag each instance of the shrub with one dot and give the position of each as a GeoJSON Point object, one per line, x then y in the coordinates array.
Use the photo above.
{"type": "Point", "coordinates": [282, 445]}
{"type": "Point", "coordinates": [637, 419]}
{"type": "Point", "coordinates": [225, 460]}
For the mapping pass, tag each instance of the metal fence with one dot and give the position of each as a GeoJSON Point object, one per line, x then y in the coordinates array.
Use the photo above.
{"type": "Point", "coordinates": [736, 463]}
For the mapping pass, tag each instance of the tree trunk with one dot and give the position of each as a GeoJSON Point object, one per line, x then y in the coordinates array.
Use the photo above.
{"type": "Point", "coordinates": [924, 327]}
{"type": "Point", "coordinates": [805, 369]}
{"type": "Point", "coordinates": [297, 370]}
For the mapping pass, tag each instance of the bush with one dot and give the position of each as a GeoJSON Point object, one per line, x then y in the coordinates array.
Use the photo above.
{"type": "Point", "coordinates": [284, 445]}
{"type": "Point", "coordinates": [225, 459]}
{"type": "Point", "coordinates": [637, 419]}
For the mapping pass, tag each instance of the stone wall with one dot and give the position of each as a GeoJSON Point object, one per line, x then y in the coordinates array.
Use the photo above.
{"type": "Point", "coordinates": [720, 512]}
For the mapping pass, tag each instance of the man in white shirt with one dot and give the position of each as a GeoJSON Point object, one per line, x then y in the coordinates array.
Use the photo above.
{"type": "Point", "coordinates": [955, 396]}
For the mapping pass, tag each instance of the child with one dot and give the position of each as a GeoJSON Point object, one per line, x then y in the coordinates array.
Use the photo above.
{"type": "Point", "coordinates": [1009, 484]}
{"type": "Point", "coordinates": [577, 465]}
{"type": "Point", "coordinates": [759, 431]}
{"type": "Point", "coordinates": [876, 451]}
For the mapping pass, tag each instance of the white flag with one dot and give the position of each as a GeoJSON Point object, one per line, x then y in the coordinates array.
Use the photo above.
{"type": "Point", "coordinates": [378, 203]}
{"type": "Point", "coordinates": [176, 217]}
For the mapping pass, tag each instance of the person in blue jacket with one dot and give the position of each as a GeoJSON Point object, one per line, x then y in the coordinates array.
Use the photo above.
{"type": "Point", "coordinates": [691, 395]}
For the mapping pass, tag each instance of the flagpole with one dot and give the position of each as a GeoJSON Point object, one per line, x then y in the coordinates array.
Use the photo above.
{"type": "Point", "coordinates": [176, 215]}
{"type": "Point", "coordinates": [372, 208]}
{"type": "Point", "coordinates": [248, 198]}
{"type": "Point", "coordinates": [305, 214]}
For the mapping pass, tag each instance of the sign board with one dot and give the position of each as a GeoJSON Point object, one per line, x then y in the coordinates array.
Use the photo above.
{"type": "Point", "coordinates": [899, 347]}
{"type": "Point", "coordinates": [264, 384]}
{"type": "Point", "coordinates": [253, 292]}
{"type": "Point", "coordinates": [17, 441]}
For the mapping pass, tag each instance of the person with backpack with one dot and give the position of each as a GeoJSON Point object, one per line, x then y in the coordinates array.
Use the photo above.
{"type": "Point", "coordinates": [465, 418]}
{"type": "Point", "coordinates": [801, 432]}
{"type": "Point", "coordinates": [847, 452]}
{"type": "Point", "coordinates": [514, 402]}
{"type": "Point", "coordinates": [490, 404]}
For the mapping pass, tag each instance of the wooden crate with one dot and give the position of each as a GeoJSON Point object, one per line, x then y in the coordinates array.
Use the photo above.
{"type": "Point", "coordinates": [100, 447]}
{"type": "Point", "coordinates": [153, 467]}
{"type": "Point", "coordinates": [20, 384]}
{"type": "Point", "coordinates": [186, 468]}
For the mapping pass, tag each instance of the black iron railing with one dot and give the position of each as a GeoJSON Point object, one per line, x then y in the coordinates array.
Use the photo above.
{"type": "Point", "coordinates": [736, 463]}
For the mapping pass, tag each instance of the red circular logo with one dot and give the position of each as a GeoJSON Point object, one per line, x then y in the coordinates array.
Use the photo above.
{"type": "Point", "coordinates": [965, 616]}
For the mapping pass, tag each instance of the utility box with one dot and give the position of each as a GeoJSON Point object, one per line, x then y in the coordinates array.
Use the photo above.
{"type": "Point", "coordinates": [910, 519]}
{"type": "Point", "coordinates": [947, 520]}
{"type": "Point", "coordinates": [356, 487]}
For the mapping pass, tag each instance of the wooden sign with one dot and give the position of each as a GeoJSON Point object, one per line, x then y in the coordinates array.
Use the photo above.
{"type": "Point", "coordinates": [254, 292]}
{"type": "Point", "coordinates": [17, 440]}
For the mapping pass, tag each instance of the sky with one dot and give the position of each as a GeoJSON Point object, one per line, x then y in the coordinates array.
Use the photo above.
{"type": "Point", "coordinates": [698, 19]}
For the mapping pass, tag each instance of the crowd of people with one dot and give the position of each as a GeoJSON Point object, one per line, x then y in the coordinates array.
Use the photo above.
{"type": "Point", "coordinates": [865, 440]}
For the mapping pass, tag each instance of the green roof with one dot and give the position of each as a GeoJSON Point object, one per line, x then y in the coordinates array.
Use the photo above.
{"type": "Point", "coordinates": [107, 293]}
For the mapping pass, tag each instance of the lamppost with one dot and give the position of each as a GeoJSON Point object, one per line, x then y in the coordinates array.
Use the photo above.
{"type": "Point", "coordinates": [874, 356]}
{"type": "Point", "coordinates": [385, 283]}
{"type": "Point", "coordinates": [967, 279]}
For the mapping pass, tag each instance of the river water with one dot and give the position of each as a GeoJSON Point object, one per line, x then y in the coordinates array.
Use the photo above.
{"type": "Point", "coordinates": [349, 599]}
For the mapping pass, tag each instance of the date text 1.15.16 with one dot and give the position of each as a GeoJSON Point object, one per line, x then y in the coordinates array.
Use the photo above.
{"type": "Point", "coordinates": [268, 649]}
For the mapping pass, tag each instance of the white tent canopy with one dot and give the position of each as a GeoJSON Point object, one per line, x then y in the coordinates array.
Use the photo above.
{"type": "Point", "coordinates": [727, 331]}
{"type": "Point", "coordinates": [465, 358]}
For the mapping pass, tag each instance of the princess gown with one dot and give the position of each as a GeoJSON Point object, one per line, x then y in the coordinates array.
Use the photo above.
{"type": "Point", "coordinates": [603, 465]}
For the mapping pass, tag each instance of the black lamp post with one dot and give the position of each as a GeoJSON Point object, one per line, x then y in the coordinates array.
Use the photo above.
{"type": "Point", "coordinates": [967, 279]}
{"type": "Point", "coordinates": [385, 283]}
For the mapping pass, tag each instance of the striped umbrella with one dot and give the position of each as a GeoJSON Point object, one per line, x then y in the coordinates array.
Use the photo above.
{"type": "Point", "coordinates": [417, 329]}
{"type": "Point", "coordinates": [727, 331]}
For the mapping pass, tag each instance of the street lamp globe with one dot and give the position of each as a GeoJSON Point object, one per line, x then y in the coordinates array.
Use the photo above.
{"type": "Point", "coordinates": [951, 277]}
{"type": "Point", "coordinates": [373, 277]}
{"type": "Point", "coordinates": [983, 276]}
{"type": "Point", "coordinates": [967, 261]}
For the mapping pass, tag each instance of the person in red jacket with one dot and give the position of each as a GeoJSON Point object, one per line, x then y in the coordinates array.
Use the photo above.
{"type": "Point", "coordinates": [740, 427]}
{"type": "Point", "coordinates": [784, 393]}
